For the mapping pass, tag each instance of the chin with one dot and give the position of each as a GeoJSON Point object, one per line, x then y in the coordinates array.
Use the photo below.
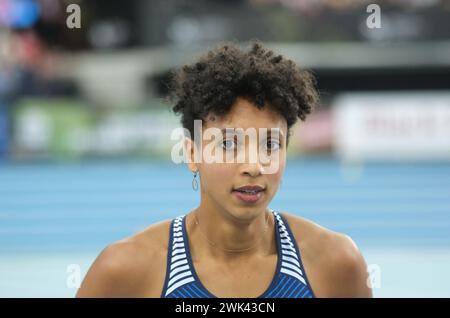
{"type": "Point", "coordinates": [244, 213]}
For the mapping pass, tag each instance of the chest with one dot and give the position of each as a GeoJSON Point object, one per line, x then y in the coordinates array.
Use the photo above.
{"type": "Point", "coordinates": [249, 278]}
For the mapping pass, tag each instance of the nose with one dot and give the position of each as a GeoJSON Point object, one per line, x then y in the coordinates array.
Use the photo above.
{"type": "Point", "coordinates": [252, 165]}
{"type": "Point", "coordinates": [252, 169]}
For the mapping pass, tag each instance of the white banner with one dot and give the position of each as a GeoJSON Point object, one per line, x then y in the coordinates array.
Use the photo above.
{"type": "Point", "coordinates": [393, 126]}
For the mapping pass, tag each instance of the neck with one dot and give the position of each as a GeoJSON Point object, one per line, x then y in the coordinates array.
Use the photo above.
{"type": "Point", "coordinates": [223, 235]}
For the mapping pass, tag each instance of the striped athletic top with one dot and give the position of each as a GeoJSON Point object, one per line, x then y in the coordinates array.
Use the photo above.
{"type": "Point", "coordinates": [181, 281]}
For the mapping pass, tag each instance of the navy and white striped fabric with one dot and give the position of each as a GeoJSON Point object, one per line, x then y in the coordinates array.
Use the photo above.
{"type": "Point", "coordinates": [181, 281]}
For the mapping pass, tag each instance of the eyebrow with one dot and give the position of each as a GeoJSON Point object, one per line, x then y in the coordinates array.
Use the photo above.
{"type": "Point", "coordinates": [228, 130]}
{"type": "Point", "coordinates": [233, 131]}
{"type": "Point", "coordinates": [279, 131]}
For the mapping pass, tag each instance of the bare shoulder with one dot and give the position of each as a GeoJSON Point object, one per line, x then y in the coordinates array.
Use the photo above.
{"type": "Point", "coordinates": [132, 267]}
{"type": "Point", "coordinates": [332, 260]}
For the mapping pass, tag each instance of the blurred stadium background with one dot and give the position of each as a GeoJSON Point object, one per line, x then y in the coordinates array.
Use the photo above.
{"type": "Point", "coordinates": [85, 134]}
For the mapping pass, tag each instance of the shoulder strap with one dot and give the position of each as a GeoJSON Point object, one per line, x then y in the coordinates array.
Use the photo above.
{"type": "Point", "coordinates": [178, 272]}
{"type": "Point", "coordinates": [288, 251]}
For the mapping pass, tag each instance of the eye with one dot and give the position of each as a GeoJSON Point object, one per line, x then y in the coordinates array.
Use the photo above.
{"type": "Point", "coordinates": [229, 144]}
{"type": "Point", "coordinates": [273, 144]}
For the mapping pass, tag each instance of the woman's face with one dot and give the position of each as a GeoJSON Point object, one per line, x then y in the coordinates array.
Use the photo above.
{"type": "Point", "coordinates": [258, 161]}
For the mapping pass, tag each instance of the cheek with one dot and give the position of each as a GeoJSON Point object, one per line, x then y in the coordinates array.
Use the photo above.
{"type": "Point", "coordinates": [215, 176]}
{"type": "Point", "coordinates": [275, 178]}
{"type": "Point", "coordinates": [275, 163]}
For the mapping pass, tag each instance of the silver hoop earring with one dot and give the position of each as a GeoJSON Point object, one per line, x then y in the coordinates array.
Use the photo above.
{"type": "Point", "coordinates": [194, 181]}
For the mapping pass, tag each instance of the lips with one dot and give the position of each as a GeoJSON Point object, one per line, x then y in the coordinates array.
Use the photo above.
{"type": "Point", "coordinates": [252, 189]}
{"type": "Point", "coordinates": [249, 193]}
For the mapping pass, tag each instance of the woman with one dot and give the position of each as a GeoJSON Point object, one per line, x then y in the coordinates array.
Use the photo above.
{"type": "Point", "coordinates": [233, 244]}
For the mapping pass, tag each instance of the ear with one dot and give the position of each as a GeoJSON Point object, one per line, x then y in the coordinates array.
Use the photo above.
{"type": "Point", "coordinates": [190, 150]}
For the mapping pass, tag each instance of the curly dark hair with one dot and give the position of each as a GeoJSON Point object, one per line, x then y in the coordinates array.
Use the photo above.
{"type": "Point", "coordinates": [212, 84]}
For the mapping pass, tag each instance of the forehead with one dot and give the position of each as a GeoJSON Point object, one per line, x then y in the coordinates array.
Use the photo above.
{"type": "Point", "coordinates": [244, 114]}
